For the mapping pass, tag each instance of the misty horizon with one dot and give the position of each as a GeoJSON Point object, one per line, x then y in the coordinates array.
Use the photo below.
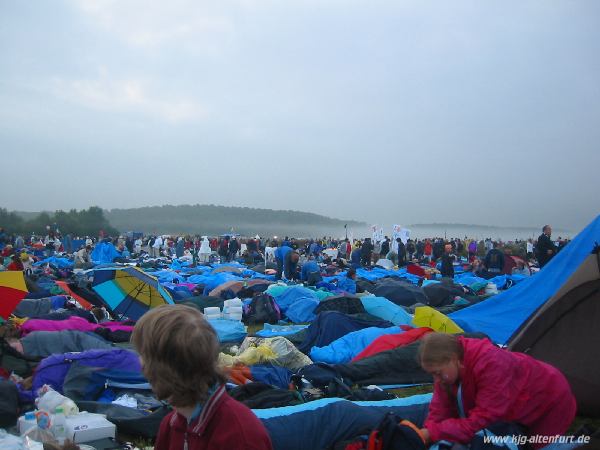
{"type": "Point", "coordinates": [386, 113]}
{"type": "Point", "coordinates": [432, 225]}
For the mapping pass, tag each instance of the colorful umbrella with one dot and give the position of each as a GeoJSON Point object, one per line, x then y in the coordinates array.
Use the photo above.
{"type": "Point", "coordinates": [128, 291]}
{"type": "Point", "coordinates": [82, 301]}
{"type": "Point", "coordinates": [12, 291]}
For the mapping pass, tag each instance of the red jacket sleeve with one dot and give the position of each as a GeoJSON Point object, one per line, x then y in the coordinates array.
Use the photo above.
{"type": "Point", "coordinates": [493, 376]}
{"type": "Point", "coordinates": [442, 406]}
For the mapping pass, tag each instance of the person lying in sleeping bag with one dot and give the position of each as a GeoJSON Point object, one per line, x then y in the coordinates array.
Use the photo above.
{"type": "Point", "coordinates": [477, 384]}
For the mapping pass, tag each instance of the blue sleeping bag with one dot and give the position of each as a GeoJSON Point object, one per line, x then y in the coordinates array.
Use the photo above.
{"type": "Point", "coordinates": [342, 350]}
{"type": "Point", "coordinates": [322, 423]}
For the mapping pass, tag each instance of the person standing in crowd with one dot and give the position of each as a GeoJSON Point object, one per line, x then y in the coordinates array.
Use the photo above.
{"type": "Point", "coordinates": [401, 252]}
{"type": "Point", "coordinates": [411, 249]}
{"type": "Point", "coordinates": [494, 260]}
{"type": "Point", "coordinates": [348, 248]}
{"type": "Point", "coordinates": [438, 248]}
{"type": "Point", "coordinates": [137, 245]}
{"type": "Point", "coordinates": [356, 255]}
{"type": "Point", "coordinates": [156, 246]}
{"type": "Point", "coordinates": [472, 249]}
{"type": "Point", "coordinates": [19, 242]}
{"type": "Point", "coordinates": [545, 248]}
{"type": "Point", "coordinates": [420, 249]}
{"type": "Point", "coordinates": [427, 250]}
{"type": "Point", "coordinates": [447, 269]}
{"type": "Point", "coordinates": [477, 384]}
{"type": "Point", "coordinates": [385, 247]}
{"type": "Point", "coordinates": [179, 353]}
{"type": "Point", "coordinates": [366, 252]}
{"type": "Point", "coordinates": [223, 250]}
{"type": "Point", "coordinates": [234, 248]}
{"type": "Point", "coordinates": [529, 249]}
{"type": "Point", "coordinates": [342, 250]}
{"type": "Point", "coordinates": [179, 247]}
{"type": "Point", "coordinates": [205, 251]}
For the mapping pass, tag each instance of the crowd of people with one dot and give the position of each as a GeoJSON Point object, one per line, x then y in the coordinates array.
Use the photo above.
{"type": "Point", "coordinates": [467, 393]}
{"type": "Point", "coordinates": [486, 257]}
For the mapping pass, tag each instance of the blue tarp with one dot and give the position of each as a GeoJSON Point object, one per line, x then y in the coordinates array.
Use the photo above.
{"type": "Point", "coordinates": [61, 263]}
{"type": "Point", "coordinates": [166, 275]}
{"type": "Point", "coordinates": [104, 252]}
{"type": "Point", "coordinates": [501, 315]}
{"type": "Point", "coordinates": [270, 374]}
{"type": "Point", "coordinates": [279, 330]}
{"type": "Point", "coordinates": [468, 279]}
{"type": "Point", "coordinates": [298, 304]}
{"type": "Point", "coordinates": [342, 350]}
{"type": "Point", "coordinates": [228, 330]}
{"type": "Point", "coordinates": [387, 310]}
{"type": "Point", "coordinates": [213, 280]}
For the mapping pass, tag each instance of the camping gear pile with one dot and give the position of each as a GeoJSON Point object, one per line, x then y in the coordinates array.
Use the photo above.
{"type": "Point", "coordinates": [299, 356]}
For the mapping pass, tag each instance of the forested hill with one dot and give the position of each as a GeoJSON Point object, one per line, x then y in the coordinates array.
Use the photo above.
{"type": "Point", "coordinates": [212, 220]}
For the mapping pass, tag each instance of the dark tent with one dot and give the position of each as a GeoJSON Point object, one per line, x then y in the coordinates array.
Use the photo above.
{"type": "Point", "coordinates": [399, 292]}
{"type": "Point", "coordinates": [442, 294]}
{"type": "Point", "coordinates": [346, 304]}
{"type": "Point", "coordinates": [564, 332]}
{"type": "Point", "coordinates": [501, 315]}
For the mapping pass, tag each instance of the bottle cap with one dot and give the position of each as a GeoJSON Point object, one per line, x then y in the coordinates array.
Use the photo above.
{"type": "Point", "coordinates": [29, 415]}
{"type": "Point", "coordinates": [59, 410]}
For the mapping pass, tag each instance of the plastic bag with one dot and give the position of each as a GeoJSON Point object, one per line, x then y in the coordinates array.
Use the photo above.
{"type": "Point", "coordinates": [48, 400]}
{"type": "Point", "coordinates": [42, 432]}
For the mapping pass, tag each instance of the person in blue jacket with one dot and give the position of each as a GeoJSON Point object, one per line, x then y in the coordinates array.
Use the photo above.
{"type": "Point", "coordinates": [355, 257]}
{"type": "Point", "coordinates": [348, 283]}
{"type": "Point", "coordinates": [311, 272]}
{"type": "Point", "coordinates": [287, 262]}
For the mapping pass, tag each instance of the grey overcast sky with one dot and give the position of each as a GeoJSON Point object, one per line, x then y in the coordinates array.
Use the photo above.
{"type": "Point", "coordinates": [483, 112]}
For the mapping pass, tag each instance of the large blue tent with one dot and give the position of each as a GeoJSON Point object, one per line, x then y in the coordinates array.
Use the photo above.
{"type": "Point", "coordinates": [501, 315]}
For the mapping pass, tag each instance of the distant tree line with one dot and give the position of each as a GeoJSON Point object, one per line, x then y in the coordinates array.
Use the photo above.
{"type": "Point", "coordinates": [213, 219]}
{"type": "Point", "coordinates": [86, 222]}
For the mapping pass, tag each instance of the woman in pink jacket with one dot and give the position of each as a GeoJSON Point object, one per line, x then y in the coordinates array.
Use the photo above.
{"type": "Point", "coordinates": [495, 386]}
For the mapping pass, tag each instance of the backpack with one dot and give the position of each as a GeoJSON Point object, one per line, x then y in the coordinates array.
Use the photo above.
{"type": "Point", "coordinates": [393, 433]}
{"type": "Point", "coordinates": [262, 309]}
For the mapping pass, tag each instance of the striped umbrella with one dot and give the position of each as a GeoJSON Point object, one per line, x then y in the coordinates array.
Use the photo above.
{"type": "Point", "coordinates": [12, 291]}
{"type": "Point", "coordinates": [129, 291]}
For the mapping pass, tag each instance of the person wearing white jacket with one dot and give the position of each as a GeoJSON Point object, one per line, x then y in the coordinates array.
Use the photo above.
{"type": "Point", "coordinates": [205, 251]}
{"type": "Point", "coordinates": [158, 242]}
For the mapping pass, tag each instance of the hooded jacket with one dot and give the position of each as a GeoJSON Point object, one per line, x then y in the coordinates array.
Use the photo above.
{"type": "Point", "coordinates": [501, 386]}
{"type": "Point", "coordinates": [223, 424]}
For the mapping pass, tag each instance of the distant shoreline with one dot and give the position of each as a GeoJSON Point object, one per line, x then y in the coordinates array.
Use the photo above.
{"type": "Point", "coordinates": [483, 227]}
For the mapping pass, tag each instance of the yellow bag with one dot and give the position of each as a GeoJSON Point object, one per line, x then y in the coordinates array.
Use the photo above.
{"type": "Point", "coordinates": [426, 316]}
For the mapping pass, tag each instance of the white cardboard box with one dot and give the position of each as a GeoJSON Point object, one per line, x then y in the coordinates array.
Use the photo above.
{"type": "Point", "coordinates": [85, 427]}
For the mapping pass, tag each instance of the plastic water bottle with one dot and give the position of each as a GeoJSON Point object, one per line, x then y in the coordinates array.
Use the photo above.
{"type": "Point", "coordinates": [27, 422]}
{"type": "Point", "coordinates": [59, 425]}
